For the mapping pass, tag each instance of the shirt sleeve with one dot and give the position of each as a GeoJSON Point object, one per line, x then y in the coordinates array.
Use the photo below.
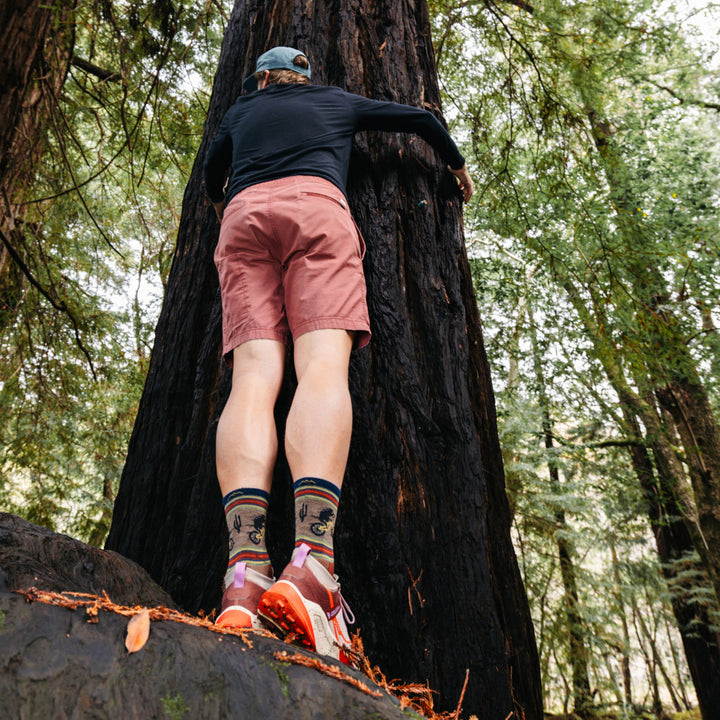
{"type": "Point", "coordinates": [217, 161]}
{"type": "Point", "coordinates": [394, 117]}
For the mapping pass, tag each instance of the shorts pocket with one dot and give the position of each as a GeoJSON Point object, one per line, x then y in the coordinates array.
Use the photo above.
{"type": "Point", "coordinates": [338, 201]}
{"type": "Point", "coordinates": [361, 240]}
{"type": "Point", "coordinates": [344, 205]}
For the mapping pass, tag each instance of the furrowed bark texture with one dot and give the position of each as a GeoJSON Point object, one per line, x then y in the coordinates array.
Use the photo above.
{"type": "Point", "coordinates": [423, 542]}
{"type": "Point", "coordinates": [36, 43]}
{"type": "Point", "coordinates": [60, 662]}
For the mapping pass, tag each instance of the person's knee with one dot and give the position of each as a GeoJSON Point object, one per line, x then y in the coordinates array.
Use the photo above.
{"type": "Point", "coordinates": [323, 353]}
{"type": "Point", "coordinates": [258, 367]}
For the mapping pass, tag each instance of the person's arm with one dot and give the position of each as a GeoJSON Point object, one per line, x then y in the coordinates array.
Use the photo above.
{"type": "Point", "coordinates": [466, 183]}
{"type": "Point", "coordinates": [217, 161]}
{"type": "Point", "coordinates": [219, 209]}
{"type": "Point", "coordinates": [395, 117]}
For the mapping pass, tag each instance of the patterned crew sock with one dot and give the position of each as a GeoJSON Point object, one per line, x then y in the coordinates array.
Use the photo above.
{"type": "Point", "coordinates": [316, 503]}
{"type": "Point", "coordinates": [246, 513]}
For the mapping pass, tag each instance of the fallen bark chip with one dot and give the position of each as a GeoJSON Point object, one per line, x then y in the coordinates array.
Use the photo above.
{"type": "Point", "coordinates": [94, 603]}
{"type": "Point", "coordinates": [329, 670]}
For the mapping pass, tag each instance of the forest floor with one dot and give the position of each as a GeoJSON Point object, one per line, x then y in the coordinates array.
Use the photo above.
{"type": "Point", "coordinates": [693, 714]}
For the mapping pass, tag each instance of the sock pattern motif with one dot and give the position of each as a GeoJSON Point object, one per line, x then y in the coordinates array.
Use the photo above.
{"type": "Point", "coordinates": [246, 513]}
{"type": "Point", "coordinates": [316, 503]}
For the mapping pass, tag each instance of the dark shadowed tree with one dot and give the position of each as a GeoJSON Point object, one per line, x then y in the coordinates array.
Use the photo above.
{"type": "Point", "coordinates": [423, 538]}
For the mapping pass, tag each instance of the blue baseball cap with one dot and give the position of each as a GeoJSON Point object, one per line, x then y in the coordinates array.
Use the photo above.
{"type": "Point", "coordinates": [279, 58]}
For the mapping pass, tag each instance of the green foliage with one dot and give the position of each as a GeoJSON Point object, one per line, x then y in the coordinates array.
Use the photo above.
{"type": "Point", "coordinates": [591, 130]}
{"type": "Point", "coordinates": [100, 220]}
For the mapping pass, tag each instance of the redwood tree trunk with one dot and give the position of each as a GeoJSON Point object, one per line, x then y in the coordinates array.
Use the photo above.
{"type": "Point", "coordinates": [687, 402]}
{"type": "Point", "coordinates": [423, 536]}
{"type": "Point", "coordinates": [36, 44]}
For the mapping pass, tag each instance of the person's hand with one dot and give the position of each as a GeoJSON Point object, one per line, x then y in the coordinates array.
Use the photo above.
{"type": "Point", "coordinates": [466, 183]}
{"type": "Point", "coordinates": [219, 209]}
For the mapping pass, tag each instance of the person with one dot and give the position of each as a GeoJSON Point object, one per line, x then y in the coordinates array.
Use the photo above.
{"type": "Point", "coordinates": [289, 260]}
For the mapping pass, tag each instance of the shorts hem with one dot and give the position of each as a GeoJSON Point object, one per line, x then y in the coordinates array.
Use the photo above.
{"type": "Point", "coordinates": [361, 328]}
{"type": "Point", "coordinates": [240, 337]}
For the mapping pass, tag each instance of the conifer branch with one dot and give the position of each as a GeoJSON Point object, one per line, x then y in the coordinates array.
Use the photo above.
{"type": "Point", "coordinates": [60, 306]}
{"type": "Point", "coordinates": [628, 442]}
{"type": "Point", "coordinates": [88, 67]}
{"type": "Point", "coordinates": [684, 100]}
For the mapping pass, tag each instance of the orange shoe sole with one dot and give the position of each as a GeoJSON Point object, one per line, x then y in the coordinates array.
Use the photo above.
{"type": "Point", "coordinates": [283, 607]}
{"type": "Point", "coordinates": [234, 617]}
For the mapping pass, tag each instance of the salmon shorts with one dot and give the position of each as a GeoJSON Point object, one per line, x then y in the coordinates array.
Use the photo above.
{"type": "Point", "coordinates": [289, 260]}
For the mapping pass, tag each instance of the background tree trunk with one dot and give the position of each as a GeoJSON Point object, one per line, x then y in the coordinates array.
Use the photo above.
{"type": "Point", "coordinates": [676, 552]}
{"type": "Point", "coordinates": [36, 44]}
{"type": "Point", "coordinates": [577, 631]}
{"type": "Point", "coordinates": [423, 538]}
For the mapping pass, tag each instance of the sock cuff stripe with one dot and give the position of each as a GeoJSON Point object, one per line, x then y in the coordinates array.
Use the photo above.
{"type": "Point", "coordinates": [247, 495]}
{"type": "Point", "coordinates": [252, 557]}
{"type": "Point", "coordinates": [316, 547]}
{"type": "Point", "coordinates": [240, 503]}
{"type": "Point", "coordinates": [328, 497]}
{"type": "Point", "coordinates": [311, 484]}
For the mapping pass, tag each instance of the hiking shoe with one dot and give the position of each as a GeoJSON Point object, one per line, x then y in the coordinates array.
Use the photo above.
{"type": "Point", "coordinates": [241, 597]}
{"type": "Point", "coordinates": [306, 602]}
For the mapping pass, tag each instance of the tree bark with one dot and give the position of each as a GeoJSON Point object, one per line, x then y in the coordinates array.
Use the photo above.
{"type": "Point", "coordinates": [687, 402]}
{"type": "Point", "coordinates": [33, 556]}
{"type": "Point", "coordinates": [423, 541]}
{"type": "Point", "coordinates": [36, 42]}
{"type": "Point", "coordinates": [676, 550]}
{"type": "Point", "coordinates": [64, 654]}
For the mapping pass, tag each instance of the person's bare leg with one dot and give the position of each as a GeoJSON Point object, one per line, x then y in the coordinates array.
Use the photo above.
{"type": "Point", "coordinates": [246, 448]}
{"type": "Point", "coordinates": [306, 600]}
{"type": "Point", "coordinates": [317, 437]}
{"type": "Point", "coordinates": [319, 424]}
{"type": "Point", "coordinates": [246, 443]}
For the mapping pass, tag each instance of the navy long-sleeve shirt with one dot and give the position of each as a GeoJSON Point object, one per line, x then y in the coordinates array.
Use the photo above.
{"type": "Point", "coordinates": [295, 129]}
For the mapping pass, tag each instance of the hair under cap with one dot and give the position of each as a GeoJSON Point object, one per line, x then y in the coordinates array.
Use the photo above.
{"type": "Point", "coordinates": [278, 58]}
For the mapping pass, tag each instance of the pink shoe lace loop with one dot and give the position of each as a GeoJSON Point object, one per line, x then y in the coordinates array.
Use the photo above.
{"type": "Point", "coordinates": [346, 611]}
{"type": "Point", "coordinates": [301, 555]}
{"type": "Point", "coordinates": [239, 575]}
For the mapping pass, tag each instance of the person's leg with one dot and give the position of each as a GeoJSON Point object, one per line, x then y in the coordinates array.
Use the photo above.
{"type": "Point", "coordinates": [317, 436]}
{"type": "Point", "coordinates": [246, 447]}
{"type": "Point", "coordinates": [319, 424]}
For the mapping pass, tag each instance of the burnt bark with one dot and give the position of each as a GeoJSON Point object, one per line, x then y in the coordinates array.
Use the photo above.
{"type": "Point", "coordinates": [423, 543]}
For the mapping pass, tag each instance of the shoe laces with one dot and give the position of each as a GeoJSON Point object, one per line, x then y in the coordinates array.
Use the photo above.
{"type": "Point", "coordinates": [346, 611]}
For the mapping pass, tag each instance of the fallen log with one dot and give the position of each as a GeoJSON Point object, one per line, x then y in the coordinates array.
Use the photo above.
{"type": "Point", "coordinates": [63, 653]}
{"type": "Point", "coordinates": [33, 556]}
